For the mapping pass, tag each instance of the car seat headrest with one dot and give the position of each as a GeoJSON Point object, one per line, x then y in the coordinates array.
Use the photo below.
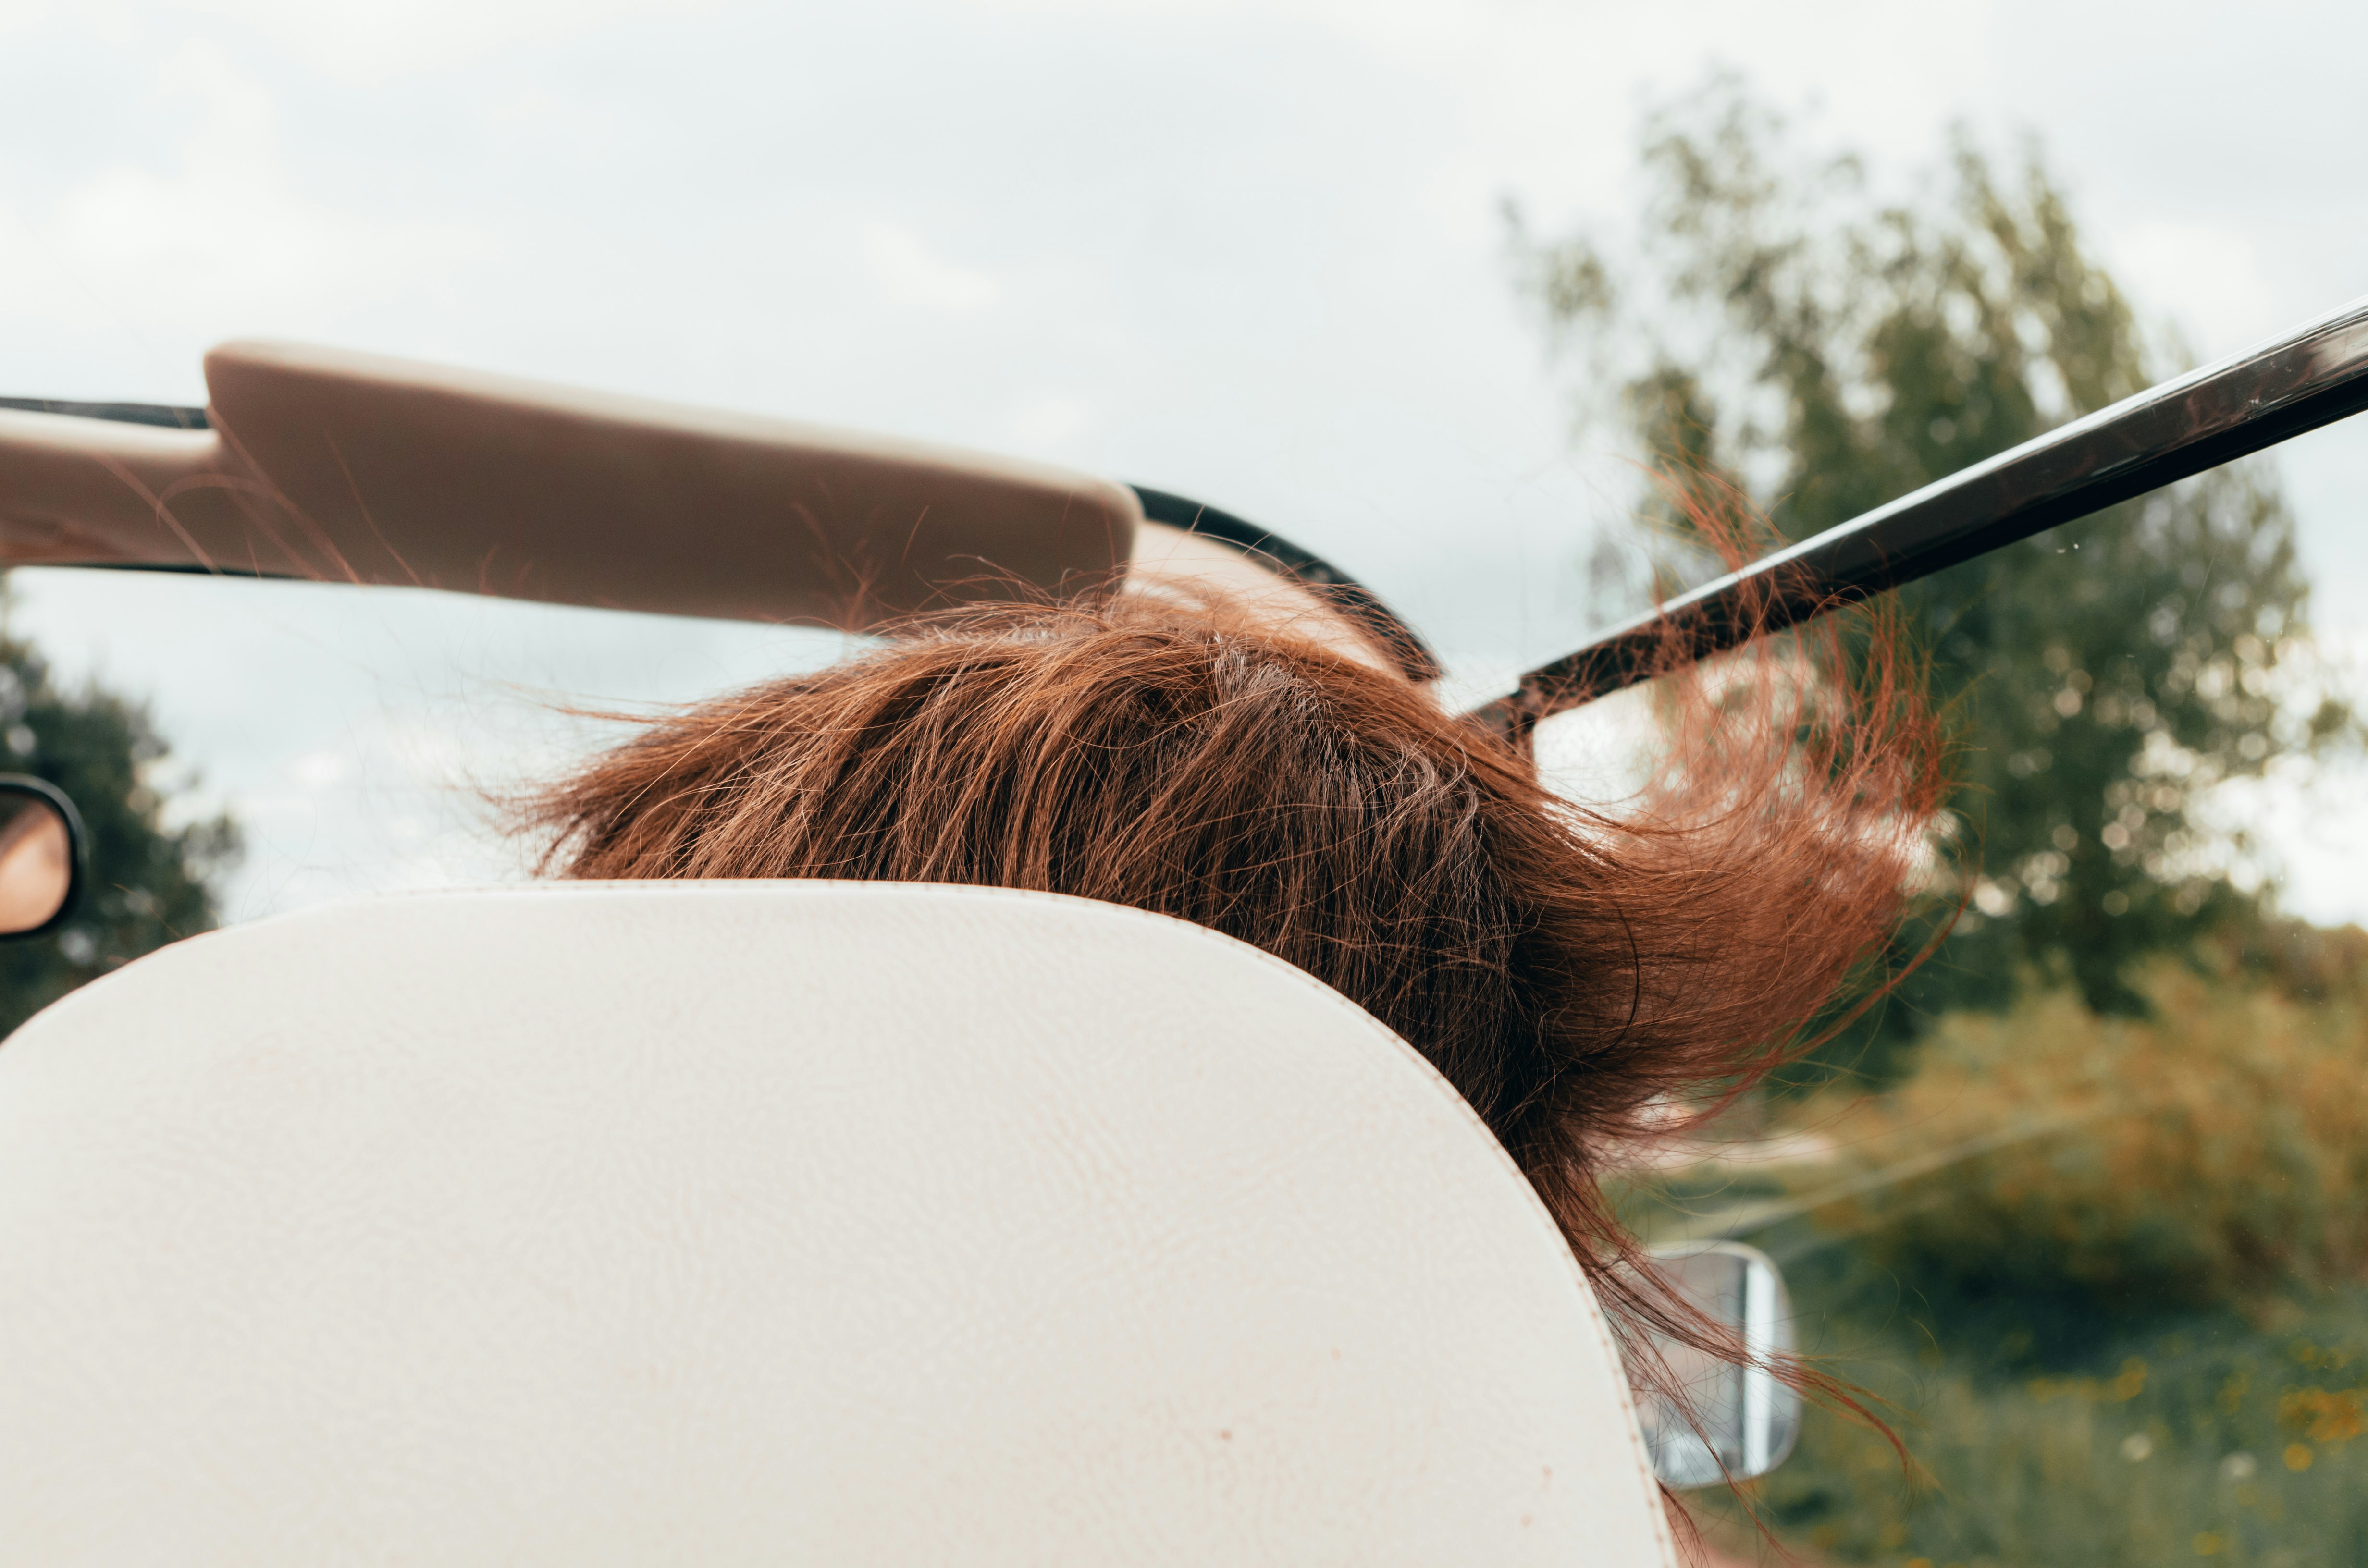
{"type": "Point", "coordinates": [781, 1222]}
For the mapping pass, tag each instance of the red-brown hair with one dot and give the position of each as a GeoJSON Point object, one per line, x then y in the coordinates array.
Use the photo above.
{"type": "Point", "coordinates": [1586, 978]}
{"type": "Point", "coordinates": [1577, 975]}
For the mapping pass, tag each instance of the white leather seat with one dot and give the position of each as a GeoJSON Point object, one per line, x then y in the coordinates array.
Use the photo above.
{"type": "Point", "coordinates": [775, 1223]}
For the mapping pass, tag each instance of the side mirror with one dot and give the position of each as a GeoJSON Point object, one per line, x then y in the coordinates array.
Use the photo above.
{"type": "Point", "coordinates": [40, 856]}
{"type": "Point", "coordinates": [1740, 1422]}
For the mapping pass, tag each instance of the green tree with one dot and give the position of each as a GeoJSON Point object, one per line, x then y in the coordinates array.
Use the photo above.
{"type": "Point", "coordinates": [147, 884]}
{"type": "Point", "coordinates": [1829, 352]}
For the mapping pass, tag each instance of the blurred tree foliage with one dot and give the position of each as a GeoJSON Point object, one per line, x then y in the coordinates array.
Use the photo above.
{"type": "Point", "coordinates": [1829, 352]}
{"type": "Point", "coordinates": [146, 884]}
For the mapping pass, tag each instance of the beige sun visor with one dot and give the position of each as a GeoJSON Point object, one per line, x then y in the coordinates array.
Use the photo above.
{"type": "Point", "coordinates": [348, 467]}
{"type": "Point", "coordinates": [1189, 567]}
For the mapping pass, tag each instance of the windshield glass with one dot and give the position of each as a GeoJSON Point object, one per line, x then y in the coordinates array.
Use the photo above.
{"type": "Point", "coordinates": [360, 739]}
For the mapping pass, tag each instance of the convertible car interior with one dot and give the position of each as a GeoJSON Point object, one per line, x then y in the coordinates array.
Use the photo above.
{"type": "Point", "coordinates": [813, 1222]}
{"type": "Point", "coordinates": [738, 1223]}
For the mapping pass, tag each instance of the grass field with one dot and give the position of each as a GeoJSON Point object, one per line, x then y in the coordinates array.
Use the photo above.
{"type": "Point", "coordinates": [2107, 1279]}
{"type": "Point", "coordinates": [2047, 1434]}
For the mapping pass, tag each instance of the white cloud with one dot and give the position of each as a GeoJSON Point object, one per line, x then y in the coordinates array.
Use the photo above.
{"type": "Point", "coordinates": [318, 770]}
{"type": "Point", "coordinates": [2208, 278]}
{"type": "Point", "coordinates": [1048, 421]}
{"type": "Point", "coordinates": [909, 275]}
{"type": "Point", "coordinates": [218, 237]}
{"type": "Point", "coordinates": [374, 39]}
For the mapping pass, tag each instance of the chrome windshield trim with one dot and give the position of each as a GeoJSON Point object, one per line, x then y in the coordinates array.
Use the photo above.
{"type": "Point", "coordinates": [2296, 383]}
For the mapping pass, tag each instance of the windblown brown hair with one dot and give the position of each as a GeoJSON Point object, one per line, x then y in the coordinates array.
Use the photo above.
{"type": "Point", "coordinates": [1588, 979]}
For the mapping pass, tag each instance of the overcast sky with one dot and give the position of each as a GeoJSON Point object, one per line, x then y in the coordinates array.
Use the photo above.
{"type": "Point", "coordinates": [1248, 252]}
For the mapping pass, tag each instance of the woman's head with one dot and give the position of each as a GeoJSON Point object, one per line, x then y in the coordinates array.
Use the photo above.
{"type": "Point", "coordinates": [1575, 976]}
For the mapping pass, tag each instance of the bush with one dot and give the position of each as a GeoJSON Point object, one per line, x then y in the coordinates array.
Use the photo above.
{"type": "Point", "coordinates": [2215, 1152]}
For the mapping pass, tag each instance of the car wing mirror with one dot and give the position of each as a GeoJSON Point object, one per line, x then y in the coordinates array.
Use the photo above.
{"type": "Point", "coordinates": [42, 852]}
{"type": "Point", "coordinates": [1733, 1423]}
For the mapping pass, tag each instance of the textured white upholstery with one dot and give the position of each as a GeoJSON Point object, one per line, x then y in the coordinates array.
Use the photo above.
{"type": "Point", "coordinates": [775, 1223]}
